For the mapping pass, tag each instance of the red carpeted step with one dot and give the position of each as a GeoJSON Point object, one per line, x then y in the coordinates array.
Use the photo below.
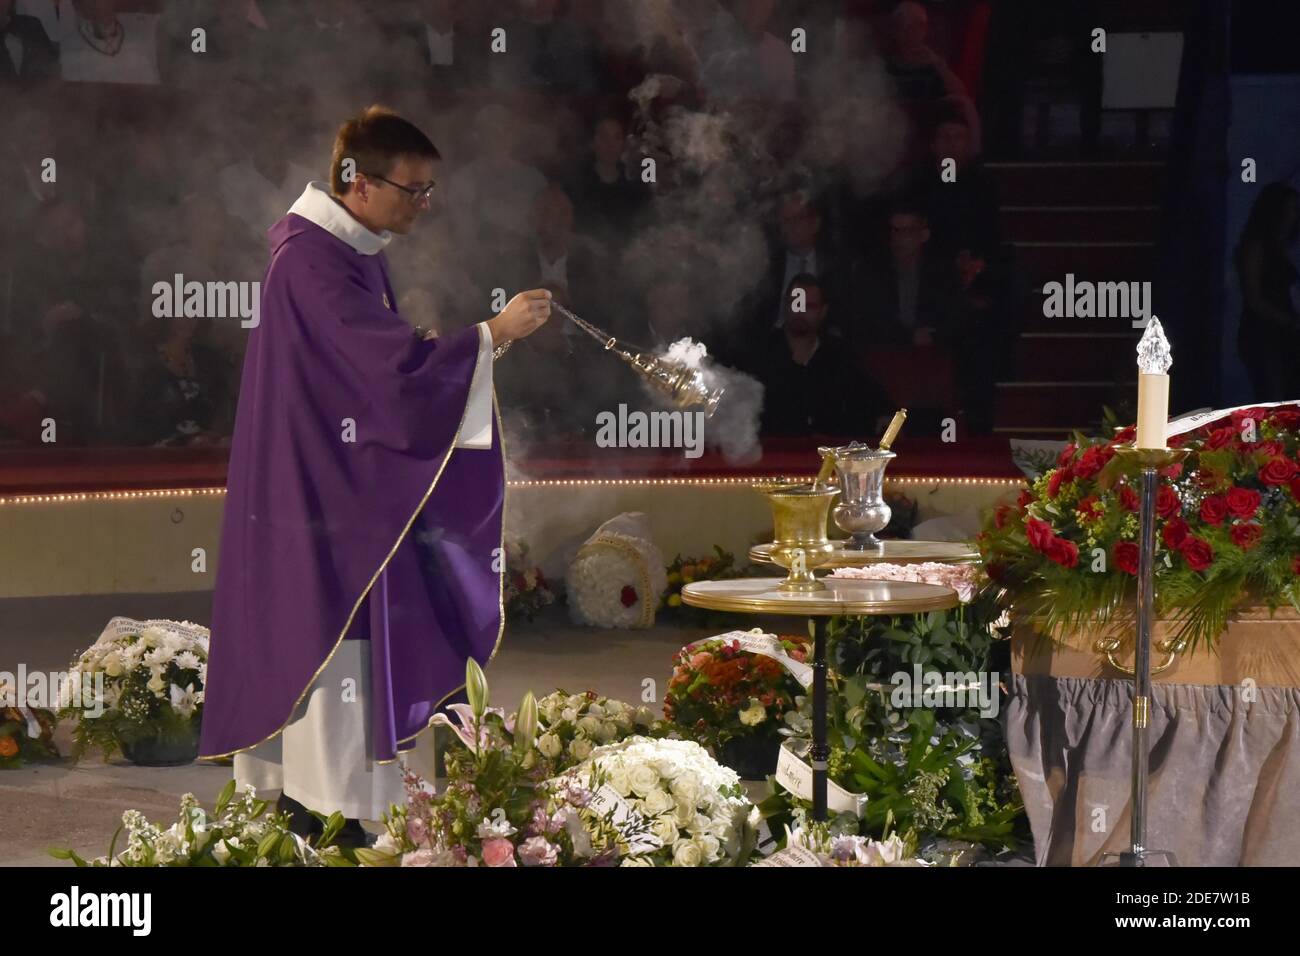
{"type": "Point", "coordinates": [1079, 223]}
{"type": "Point", "coordinates": [1071, 183]}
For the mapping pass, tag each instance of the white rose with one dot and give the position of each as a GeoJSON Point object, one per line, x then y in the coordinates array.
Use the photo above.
{"type": "Point", "coordinates": [686, 853]}
{"type": "Point", "coordinates": [636, 861]}
{"type": "Point", "coordinates": [657, 801]}
{"type": "Point", "coordinates": [709, 847]}
{"type": "Point", "coordinates": [580, 747]}
{"type": "Point", "coordinates": [665, 828]}
{"type": "Point", "coordinates": [643, 779]}
{"type": "Point", "coordinates": [618, 779]}
{"type": "Point", "coordinates": [700, 825]}
{"type": "Point", "coordinates": [686, 789]}
{"type": "Point", "coordinates": [684, 813]}
{"type": "Point", "coordinates": [569, 714]}
{"type": "Point", "coordinates": [595, 710]}
{"type": "Point", "coordinates": [608, 731]}
{"type": "Point", "coordinates": [589, 726]}
{"type": "Point", "coordinates": [549, 745]}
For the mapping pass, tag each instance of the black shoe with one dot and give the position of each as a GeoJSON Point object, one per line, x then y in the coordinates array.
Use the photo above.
{"type": "Point", "coordinates": [301, 821]}
{"type": "Point", "coordinates": [352, 835]}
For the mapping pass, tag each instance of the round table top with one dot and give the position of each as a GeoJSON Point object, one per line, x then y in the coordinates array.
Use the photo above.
{"type": "Point", "coordinates": [895, 552]}
{"type": "Point", "coordinates": [841, 596]}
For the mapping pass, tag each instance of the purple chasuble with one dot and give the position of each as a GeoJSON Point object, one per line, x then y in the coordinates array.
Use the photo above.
{"type": "Point", "coordinates": [391, 537]}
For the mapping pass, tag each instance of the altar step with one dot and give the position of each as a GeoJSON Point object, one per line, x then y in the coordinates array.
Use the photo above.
{"type": "Point", "coordinates": [1097, 220]}
{"type": "Point", "coordinates": [1135, 223]}
{"type": "Point", "coordinates": [1078, 183]}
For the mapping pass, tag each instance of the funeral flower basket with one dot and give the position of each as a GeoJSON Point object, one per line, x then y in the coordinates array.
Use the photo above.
{"type": "Point", "coordinates": [152, 674]}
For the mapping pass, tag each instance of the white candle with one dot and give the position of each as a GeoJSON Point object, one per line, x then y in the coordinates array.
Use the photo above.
{"type": "Point", "coordinates": [1154, 361]}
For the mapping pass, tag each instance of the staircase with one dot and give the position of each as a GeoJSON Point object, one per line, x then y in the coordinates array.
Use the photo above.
{"type": "Point", "coordinates": [1096, 220]}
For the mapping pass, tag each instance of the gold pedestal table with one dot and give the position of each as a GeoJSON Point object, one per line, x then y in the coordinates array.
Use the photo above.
{"type": "Point", "coordinates": [840, 596]}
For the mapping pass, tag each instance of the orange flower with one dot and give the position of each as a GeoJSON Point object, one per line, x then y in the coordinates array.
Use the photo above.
{"type": "Point", "coordinates": [8, 747]}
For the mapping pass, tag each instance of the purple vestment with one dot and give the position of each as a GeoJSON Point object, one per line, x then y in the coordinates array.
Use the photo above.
{"type": "Point", "coordinates": [311, 520]}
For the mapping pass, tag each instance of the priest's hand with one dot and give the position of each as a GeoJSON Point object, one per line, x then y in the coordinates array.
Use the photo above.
{"type": "Point", "coordinates": [522, 316]}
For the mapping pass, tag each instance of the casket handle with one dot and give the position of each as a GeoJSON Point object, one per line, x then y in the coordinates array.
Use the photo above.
{"type": "Point", "coordinates": [1171, 648]}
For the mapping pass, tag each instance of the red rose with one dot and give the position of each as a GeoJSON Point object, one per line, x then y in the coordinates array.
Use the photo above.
{"type": "Point", "coordinates": [1214, 509]}
{"type": "Point", "coordinates": [1286, 418]}
{"type": "Point", "coordinates": [1126, 556]}
{"type": "Point", "coordinates": [1024, 499]}
{"type": "Point", "coordinates": [1270, 448]}
{"type": "Point", "coordinates": [1091, 508]}
{"type": "Point", "coordinates": [1128, 499]}
{"type": "Point", "coordinates": [1175, 532]}
{"type": "Point", "coordinates": [1173, 471]}
{"type": "Point", "coordinates": [1246, 536]}
{"type": "Point", "coordinates": [1039, 534]}
{"type": "Point", "coordinates": [1167, 503]}
{"type": "Point", "coordinates": [628, 595]}
{"type": "Point", "coordinates": [1001, 515]}
{"type": "Point", "coordinates": [1220, 438]}
{"type": "Point", "coordinates": [1089, 463]}
{"type": "Point", "coordinates": [1125, 436]}
{"type": "Point", "coordinates": [1278, 471]}
{"type": "Point", "coordinates": [1197, 553]}
{"type": "Point", "coordinates": [1243, 502]}
{"type": "Point", "coordinates": [1059, 477]}
{"type": "Point", "coordinates": [1066, 454]}
{"type": "Point", "coordinates": [1177, 441]}
{"type": "Point", "coordinates": [1064, 553]}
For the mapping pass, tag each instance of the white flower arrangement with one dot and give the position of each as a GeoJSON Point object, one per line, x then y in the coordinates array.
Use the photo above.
{"type": "Point", "coordinates": [152, 674]}
{"type": "Point", "coordinates": [238, 832]}
{"type": "Point", "coordinates": [617, 577]}
{"type": "Point", "coordinates": [851, 849]}
{"type": "Point", "coordinates": [688, 809]}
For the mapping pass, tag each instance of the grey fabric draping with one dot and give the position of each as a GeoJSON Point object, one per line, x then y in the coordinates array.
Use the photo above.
{"type": "Point", "coordinates": [1225, 770]}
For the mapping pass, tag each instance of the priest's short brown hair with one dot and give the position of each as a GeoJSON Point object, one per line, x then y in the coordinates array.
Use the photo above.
{"type": "Point", "coordinates": [375, 140]}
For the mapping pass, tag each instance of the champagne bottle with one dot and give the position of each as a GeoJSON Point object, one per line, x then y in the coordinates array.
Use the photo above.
{"type": "Point", "coordinates": [891, 432]}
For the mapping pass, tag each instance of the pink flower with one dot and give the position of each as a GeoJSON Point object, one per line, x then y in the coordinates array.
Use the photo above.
{"type": "Point", "coordinates": [499, 851]}
{"type": "Point", "coordinates": [537, 851]}
{"type": "Point", "coordinates": [416, 830]}
{"type": "Point", "coordinates": [420, 858]}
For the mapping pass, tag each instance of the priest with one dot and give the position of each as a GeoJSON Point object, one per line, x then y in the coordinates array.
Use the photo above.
{"type": "Point", "coordinates": [361, 558]}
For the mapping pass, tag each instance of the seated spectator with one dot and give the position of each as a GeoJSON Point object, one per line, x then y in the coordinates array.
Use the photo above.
{"type": "Point", "coordinates": [263, 183]}
{"type": "Point", "coordinates": [239, 43]}
{"type": "Point", "coordinates": [210, 248]}
{"type": "Point", "coordinates": [963, 214]}
{"type": "Point", "coordinates": [110, 45]}
{"type": "Point", "coordinates": [810, 386]}
{"type": "Point", "coordinates": [802, 248]}
{"type": "Point", "coordinates": [27, 54]}
{"type": "Point", "coordinates": [607, 196]}
{"type": "Point", "coordinates": [744, 60]}
{"type": "Point", "coordinates": [911, 299]}
{"type": "Point", "coordinates": [184, 394]}
{"type": "Point", "coordinates": [922, 78]}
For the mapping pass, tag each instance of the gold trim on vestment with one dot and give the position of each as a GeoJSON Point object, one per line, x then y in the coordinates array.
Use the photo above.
{"type": "Point", "coordinates": [501, 589]}
{"type": "Point", "coordinates": [375, 577]}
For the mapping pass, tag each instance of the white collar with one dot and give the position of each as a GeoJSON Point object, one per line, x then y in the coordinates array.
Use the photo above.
{"type": "Point", "coordinates": [316, 205]}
